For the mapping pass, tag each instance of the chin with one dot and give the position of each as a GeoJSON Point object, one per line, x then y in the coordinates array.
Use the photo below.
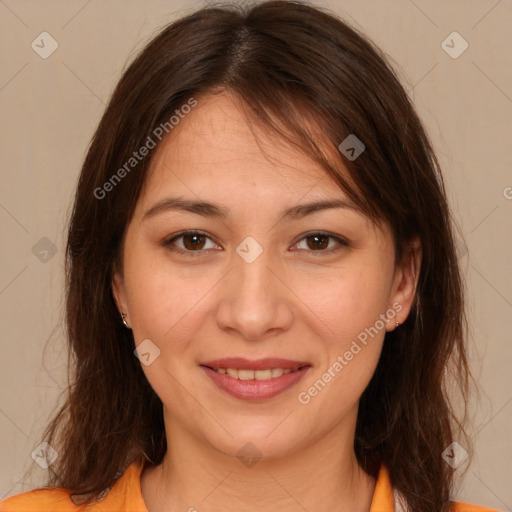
{"type": "Point", "coordinates": [262, 442]}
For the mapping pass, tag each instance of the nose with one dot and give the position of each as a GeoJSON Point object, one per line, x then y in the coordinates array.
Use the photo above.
{"type": "Point", "coordinates": [255, 302]}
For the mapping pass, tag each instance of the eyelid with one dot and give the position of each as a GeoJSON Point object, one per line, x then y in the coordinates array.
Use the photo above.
{"type": "Point", "coordinates": [168, 242]}
{"type": "Point", "coordinates": [339, 239]}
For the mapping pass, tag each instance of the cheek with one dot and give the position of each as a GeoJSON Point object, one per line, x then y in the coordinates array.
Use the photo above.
{"type": "Point", "coordinates": [336, 392]}
{"type": "Point", "coordinates": [356, 309]}
{"type": "Point", "coordinates": [352, 309]}
{"type": "Point", "coordinates": [166, 309]}
{"type": "Point", "coordinates": [352, 346]}
{"type": "Point", "coordinates": [161, 300]}
{"type": "Point", "coordinates": [349, 302]}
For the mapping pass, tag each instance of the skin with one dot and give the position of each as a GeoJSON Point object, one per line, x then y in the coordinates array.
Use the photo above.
{"type": "Point", "coordinates": [293, 302]}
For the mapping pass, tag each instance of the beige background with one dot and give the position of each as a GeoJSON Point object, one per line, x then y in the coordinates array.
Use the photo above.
{"type": "Point", "coordinates": [50, 108]}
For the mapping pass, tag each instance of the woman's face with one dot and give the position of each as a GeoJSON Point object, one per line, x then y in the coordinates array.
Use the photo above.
{"type": "Point", "coordinates": [313, 291]}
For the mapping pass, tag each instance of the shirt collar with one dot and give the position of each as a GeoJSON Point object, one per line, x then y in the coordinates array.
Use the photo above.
{"type": "Point", "coordinates": [383, 496]}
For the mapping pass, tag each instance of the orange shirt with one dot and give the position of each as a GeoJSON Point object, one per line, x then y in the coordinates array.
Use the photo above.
{"type": "Point", "coordinates": [126, 496]}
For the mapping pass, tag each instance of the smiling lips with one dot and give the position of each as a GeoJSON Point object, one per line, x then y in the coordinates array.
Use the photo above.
{"type": "Point", "coordinates": [255, 380]}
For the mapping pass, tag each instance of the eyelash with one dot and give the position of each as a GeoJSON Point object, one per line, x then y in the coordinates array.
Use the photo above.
{"type": "Point", "coordinates": [168, 243]}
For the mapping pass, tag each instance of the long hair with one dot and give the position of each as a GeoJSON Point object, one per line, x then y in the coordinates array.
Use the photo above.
{"type": "Point", "coordinates": [287, 62]}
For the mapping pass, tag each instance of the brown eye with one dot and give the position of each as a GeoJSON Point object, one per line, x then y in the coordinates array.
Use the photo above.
{"type": "Point", "coordinates": [320, 243]}
{"type": "Point", "coordinates": [193, 243]}
{"type": "Point", "coordinates": [317, 241]}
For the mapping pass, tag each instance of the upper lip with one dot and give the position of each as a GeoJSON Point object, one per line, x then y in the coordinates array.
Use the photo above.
{"type": "Point", "coordinates": [267, 363]}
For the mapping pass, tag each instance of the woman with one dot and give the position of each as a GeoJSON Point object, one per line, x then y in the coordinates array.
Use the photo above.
{"type": "Point", "coordinates": [263, 300]}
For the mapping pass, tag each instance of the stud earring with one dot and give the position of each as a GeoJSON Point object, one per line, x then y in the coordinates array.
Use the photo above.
{"type": "Point", "coordinates": [397, 324]}
{"type": "Point", "coordinates": [123, 316]}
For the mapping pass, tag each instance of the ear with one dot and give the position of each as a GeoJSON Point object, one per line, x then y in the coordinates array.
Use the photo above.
{"type": "Point", "coordinates": [119, 292]}
{"type": "Point", "coordinates": [405, 282]}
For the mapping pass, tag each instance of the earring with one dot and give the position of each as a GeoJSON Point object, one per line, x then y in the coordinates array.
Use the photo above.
{"type": "Point", "coordinates": [123, 316]}
{"type": "Point", "coordinates": [397, 324]}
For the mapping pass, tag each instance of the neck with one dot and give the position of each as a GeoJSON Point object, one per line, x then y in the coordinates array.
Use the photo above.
{"type": "Point", "coordinates": [194, 476]}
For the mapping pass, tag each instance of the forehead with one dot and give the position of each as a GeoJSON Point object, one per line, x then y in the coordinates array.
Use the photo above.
{"type": "Point", "coordinates": [216, 143]}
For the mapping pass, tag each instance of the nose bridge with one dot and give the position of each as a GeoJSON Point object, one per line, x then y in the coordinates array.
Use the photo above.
{"type": "Point", "coordinates": [252, 277]}
{"type": "Point", "coordinates": [254, 301]}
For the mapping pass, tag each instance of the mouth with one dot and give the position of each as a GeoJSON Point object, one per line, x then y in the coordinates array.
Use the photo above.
{"type": "Point", "coordinates": [255, 380]}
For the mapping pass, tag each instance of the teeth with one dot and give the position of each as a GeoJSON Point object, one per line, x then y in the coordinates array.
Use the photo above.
{"type": "Point", "coordinates": [263, 374]}
{"type": "Point", "coordinates": [254, 374]}
{"type": "Point", "coordinates": [245, 374]}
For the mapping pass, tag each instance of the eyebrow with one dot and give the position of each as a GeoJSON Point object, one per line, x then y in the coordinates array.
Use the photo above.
{"type": "Point", "coordinates": [207, 209]}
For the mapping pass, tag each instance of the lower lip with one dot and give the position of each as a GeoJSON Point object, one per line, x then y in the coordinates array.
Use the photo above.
{"type": "Point", "coordinates": [255, 389]}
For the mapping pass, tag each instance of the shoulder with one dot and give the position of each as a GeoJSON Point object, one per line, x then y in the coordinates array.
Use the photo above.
{"type": "Point", "coordinates": [124, 495]}
{"type": "Point", "coordinates": [459, 506]}
{"type": "Point", "coordinates": [40, 500]}
{"type": "Point", "coordinates": [387, 498]}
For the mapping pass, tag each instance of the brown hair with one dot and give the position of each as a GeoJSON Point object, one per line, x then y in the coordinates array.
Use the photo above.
{"type": "Point", "coordinates": [285, 61]}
